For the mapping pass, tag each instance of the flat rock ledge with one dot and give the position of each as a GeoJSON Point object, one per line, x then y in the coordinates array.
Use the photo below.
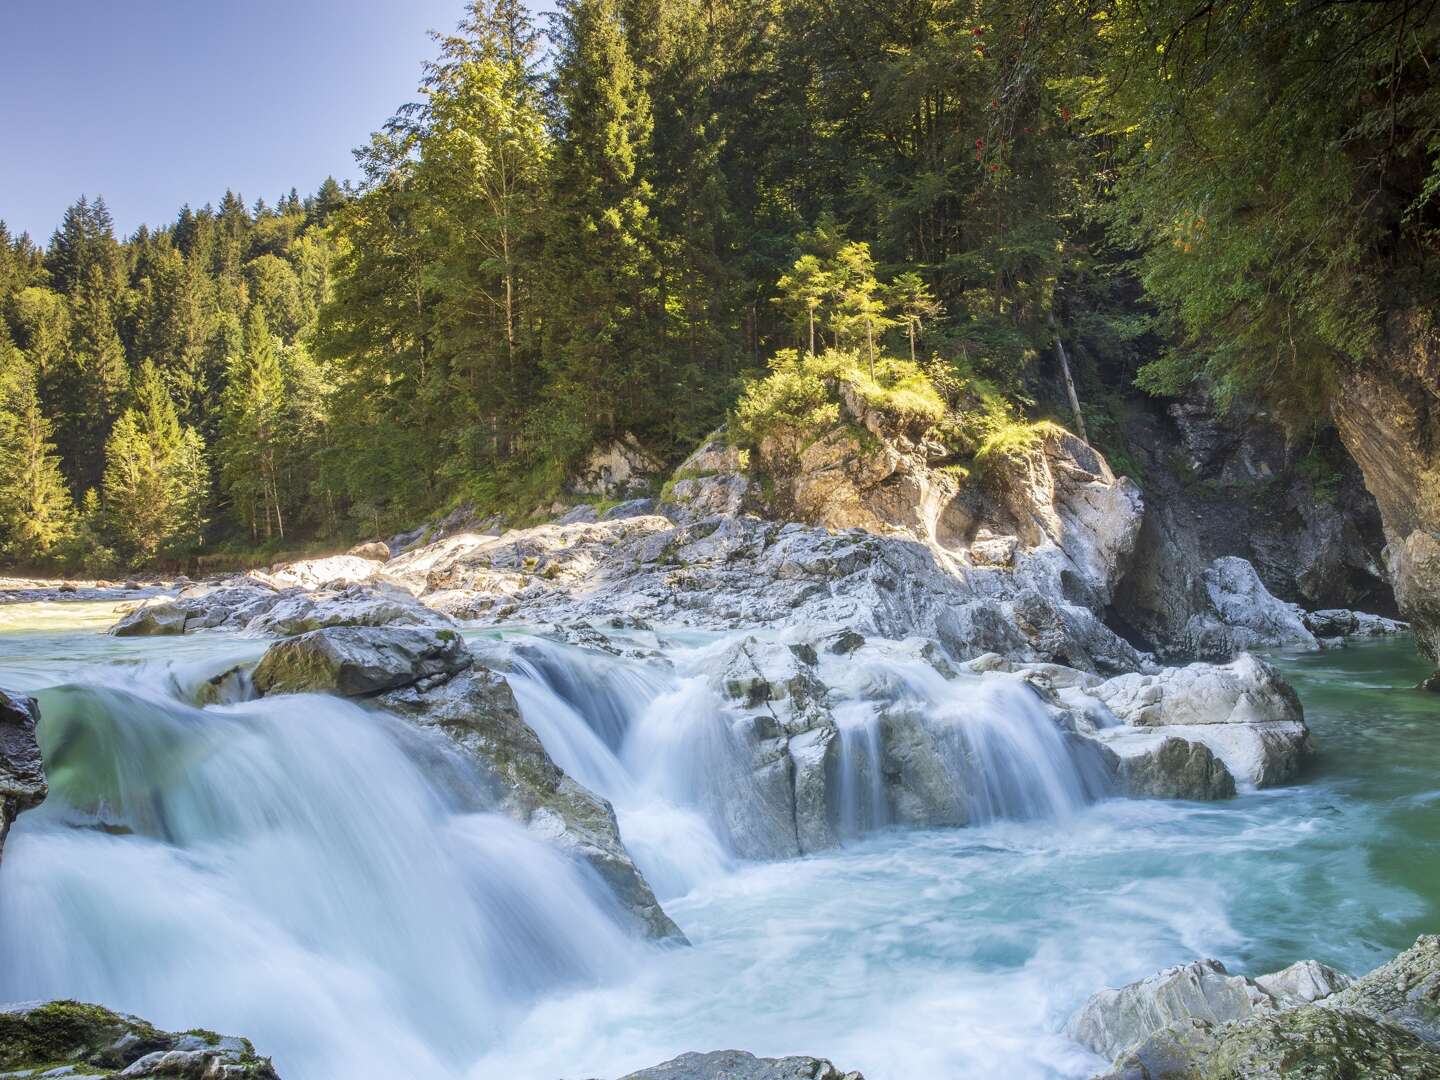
{"type": "Point", "coordinates": [738, 1065]}
{"type": "Point", "coordinates": [87, 1042]}
{"type": "Point", "coordinates": [1199, 1022]}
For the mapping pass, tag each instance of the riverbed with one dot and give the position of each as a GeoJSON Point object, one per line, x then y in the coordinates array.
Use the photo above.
{"type": "Point", "coordinates": [292, 870]}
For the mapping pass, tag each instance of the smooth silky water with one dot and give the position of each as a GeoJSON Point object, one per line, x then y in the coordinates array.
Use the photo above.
{"type": "Point", "coordinates": [331, 883]}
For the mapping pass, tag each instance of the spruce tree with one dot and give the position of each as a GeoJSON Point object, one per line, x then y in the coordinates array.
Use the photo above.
{"type": "Point", "coordinates": [36, 513]}
{"type": "Point", "coordinates": [605, 325]}
{"type": "Point", "coordinates": [251, 414]}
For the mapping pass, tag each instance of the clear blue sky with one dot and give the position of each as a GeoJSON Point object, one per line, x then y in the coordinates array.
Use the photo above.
{"type": "Point", "coordinates": [155, 103]}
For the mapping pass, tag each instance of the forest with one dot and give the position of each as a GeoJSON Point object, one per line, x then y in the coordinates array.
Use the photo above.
{"type": "Point", "coordinates": [646, 217]}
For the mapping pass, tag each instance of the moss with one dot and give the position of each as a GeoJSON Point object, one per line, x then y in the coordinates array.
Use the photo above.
{"type": "Point", "coordinates": [1016, 440]}
{"type": "Point", "coordinates": [69, 1031]}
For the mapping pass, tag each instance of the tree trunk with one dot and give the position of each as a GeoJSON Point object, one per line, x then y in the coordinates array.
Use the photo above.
{"type": "Point", "coordinates": [1069, 382]}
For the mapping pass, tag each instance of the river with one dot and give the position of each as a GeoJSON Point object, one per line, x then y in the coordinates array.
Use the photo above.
{"type": "Point", "coordinates": [316, 876]}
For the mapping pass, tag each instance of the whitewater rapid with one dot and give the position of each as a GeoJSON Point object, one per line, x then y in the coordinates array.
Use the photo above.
{"type": "Point", "coordinates": [337, 885]}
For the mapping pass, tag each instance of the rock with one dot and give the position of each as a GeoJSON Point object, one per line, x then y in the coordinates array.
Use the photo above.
{"type": "Point", "coordinates": [1387, 411]}
{"type": "Point", "coordinates": [1244, 712]}
{"type": "Point", "coordinates": [622, 468]}
{"type": "Point", "coordinates": [1115, 1021]}
{"type": "Point", "coordinates": [577, 515]}
{"type": "Point", "coordinates": [1175, 769]}
{"type": "Point", "coordinates": [738, 1065]}
{"type": "Point", "coordinates": [1303, 982]}
{"type": "Point", "coordinates": [152, 618]}
{"type": "Point", "coordinates": [335, 571]}
{"type": "Point", "coordinates": [1242, 614]}
{"type": "Point", "coordinates": [1404, 992]}
{"type": "Point", "coordinates": [1342, 623]}
{"type": "Point", "coordinates": [355, 661]}
{"type": "Point", "coordinates": [1319, 1044]}
{"type": "Point", "coordinates": [710, 482]}
{"type": "Point", "coordinates": [628, 509]}
{"type": "Point", "coordinates": [374, 551]}
{"type": "Point", "coordinates": [477, 710]}
{"type": "Point", "coordinates": [375, 604]}
{"type": "Point", "coordinates": [93, 1041]}
{"type": "Point", "coordinates": [228, 604]}
{"type": "Point", "coordinates": [22, 772]}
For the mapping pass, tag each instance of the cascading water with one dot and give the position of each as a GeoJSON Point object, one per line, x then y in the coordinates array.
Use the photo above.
{"type": "Point", "coordinates": [330, 881]}
{"type": "Point", "coordinates": [287, 867]}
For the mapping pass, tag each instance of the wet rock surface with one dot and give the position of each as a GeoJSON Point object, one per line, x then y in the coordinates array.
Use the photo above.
{"type": "Point", "coordinates": [22, 772]}
{"type": "Point", "coordinates": [738, 1065]}
{"type": "Point", "coordinates": [359, 661]}
{"type": "Point", "coordinates": [74, 1040]}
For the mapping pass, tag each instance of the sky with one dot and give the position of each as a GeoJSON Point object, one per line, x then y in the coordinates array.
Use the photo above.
{"type": "Point", "coordinates": [156, 103]}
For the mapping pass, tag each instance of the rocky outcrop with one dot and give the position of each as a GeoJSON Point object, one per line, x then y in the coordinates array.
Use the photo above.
{"type": "Point", "coordinates": [66, 1038]}
{"type": "Point", "coordinates": [1243, 712]}
{"type": "Point", "coordinates": [22, 772]}
{"type": "Point", "coordinates": [1388, 414]}
{"type": "Point", "coordinates": [1198, 1022]}
{"type": "Point", "coordinates": [371, 551]}
{"type": "Point", "coordinates": [1228, 483]}
{"type": "Point", "coordinates": [1175, 769]}
{"type": "Point", "coordinates": [738, 1065]}
{"type": "Point", "coordinates": [358, 661]}
{"type": "Point", "coordinates": [335, 571]}
{"type": "Point", "coordinates": [256, 607]}
{"type": "Point", "coordinates": [478, 712]}
{"type": "Point", "coordinates": [622, 468]}
{"type": "Point", "coordinates": [226, 605]}
{"type": "Point", "coordinates": [711, 482]}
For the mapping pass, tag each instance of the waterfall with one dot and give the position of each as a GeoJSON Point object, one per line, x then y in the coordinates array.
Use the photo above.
{"type": "Point", "coordinates": [286, 868]}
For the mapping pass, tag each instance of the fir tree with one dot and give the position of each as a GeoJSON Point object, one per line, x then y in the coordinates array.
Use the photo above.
{"type": "Point", "coordinates": [36, 514]}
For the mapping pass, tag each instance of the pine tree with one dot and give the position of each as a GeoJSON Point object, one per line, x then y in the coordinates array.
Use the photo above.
{"type": "Point", "coordinates": [95, 381]}
{"type": "Point", "coordinates": [36, 514]}
{"type": "Point", "coordinates": [249, 442]}
{"type": "Point", "coordinates": [156, 483]}
{"type": "Point", "coordinates": [605, 325]}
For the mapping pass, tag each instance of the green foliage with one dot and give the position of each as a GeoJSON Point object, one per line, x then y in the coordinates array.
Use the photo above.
{"type": "Point", "coordinates": [1016, 440]}
{"type": "Point", "coordinates": [36, 515]}
{"type": "Point", "coordinates": [156, 482]}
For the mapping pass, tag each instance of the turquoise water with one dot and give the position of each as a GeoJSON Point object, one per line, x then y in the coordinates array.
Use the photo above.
{"type": "Point", "coordinates": [937, 954]}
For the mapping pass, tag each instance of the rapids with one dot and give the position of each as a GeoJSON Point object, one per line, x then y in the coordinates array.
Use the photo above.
{"type": "Point", "coordinates": [334, 884]}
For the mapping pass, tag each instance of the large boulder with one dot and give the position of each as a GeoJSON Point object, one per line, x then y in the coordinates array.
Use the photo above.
{"type": "Point", "coordinates": [375, 604]}
{"type": "Point", "coordinates": [711, 481]}
{"type": "Point", "coordinates": [1242, 614]}
{"type": "Point", "coordinates": [67, 1038]}
{"type": "Point", "coordinates": [478, 712]}
{"type": "Point", "coordinates": [1244, 712]}
{"type": "Point", "coordinates": [738, 1065]}
{"type": "Point", "coordinates": [1173, 769]}
{"type": "Point", "coordinates": [1307, 1022]}
{"type": "Point", "coordinates": [22, 772]}
{"type": "Point", "coordinates": [1114, 1022]}
{"type": "Point", "coordinates": [357, 661]}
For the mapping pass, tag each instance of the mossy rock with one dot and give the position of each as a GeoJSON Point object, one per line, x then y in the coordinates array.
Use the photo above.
{"type": "Point", "coordinates": [95, 1041]}
{"type": "Point", "coordinates": [1318, 1043]}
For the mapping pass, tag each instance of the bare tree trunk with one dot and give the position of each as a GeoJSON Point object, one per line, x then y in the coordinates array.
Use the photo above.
{"type": "Point", "coordinates": [1069, 382]}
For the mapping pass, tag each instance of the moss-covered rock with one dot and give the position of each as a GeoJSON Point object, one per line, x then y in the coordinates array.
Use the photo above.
{"type": "Point", "coordinates": [356, 661]}
{"type": "Point", "coordinates": [93, 1041]}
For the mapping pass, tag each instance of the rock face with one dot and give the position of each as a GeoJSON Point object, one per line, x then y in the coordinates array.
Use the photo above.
{"type": "Point", "coordinates": [738, 1065]}
{"type": "Point", "coordinates": [1229, 484]}
{"type": "Point", "coordinates": [227, 605]}
{"type": "Point", "coordinates": [66, 1038]}
{"type": "Point", "coordinates": [22, 773]}
{"type": "Point", "coordinates": [1388, 414]}
{"type": "Point", "coordinates": [335, 571]}
{"type": "Point", "coordinates": [1198, 1022]}
{"type": "Point", "coordinates": [710, 482]}
{"type": "Point", "coordinates": [359, 661]}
